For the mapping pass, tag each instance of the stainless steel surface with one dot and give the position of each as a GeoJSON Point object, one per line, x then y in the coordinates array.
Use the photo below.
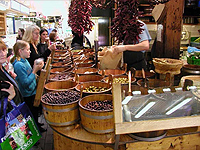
{"type": "Point", "coordinates": [158, 106]}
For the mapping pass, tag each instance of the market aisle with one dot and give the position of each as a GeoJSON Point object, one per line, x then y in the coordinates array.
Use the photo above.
{"type": "Point", "coordinates": [46, 142]}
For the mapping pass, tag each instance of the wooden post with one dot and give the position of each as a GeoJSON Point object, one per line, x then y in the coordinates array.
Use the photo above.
{"type": "Point", "coordinates": [40, 88]}
{"type": "Point", "coordinates": [169, 46]}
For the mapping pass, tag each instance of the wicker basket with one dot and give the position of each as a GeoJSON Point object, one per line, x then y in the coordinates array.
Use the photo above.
{"type": "Point", "coordinates": [167, 65]}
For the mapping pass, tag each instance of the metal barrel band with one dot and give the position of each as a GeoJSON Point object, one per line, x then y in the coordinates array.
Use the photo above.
{"type": "Point", "coordinates": [97, 117]}
{"type": "Point", "coordinates": [98, 131]}
{"type": "Point", "coordinates": [60, 110]}
{"type": "Point", "coordinates": [63, 123]}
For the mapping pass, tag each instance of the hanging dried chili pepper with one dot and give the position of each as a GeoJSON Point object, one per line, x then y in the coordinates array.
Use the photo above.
{"type": "Point", "coordinates": [103, 4]}
{"type": "Point", "coordinates": [126, 27]}
{"type": "Point", "coordinates": [79, 16]}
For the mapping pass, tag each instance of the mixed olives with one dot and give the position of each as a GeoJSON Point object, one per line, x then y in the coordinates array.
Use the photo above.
{"type": "Point", "coordinates": [99, 105]}
{"type": "Point", "coordinates": [62, 77]}
{"type": "Point", "coordinates": [94, 89]}
{"type": "Point", "coordinates": [64, 97]}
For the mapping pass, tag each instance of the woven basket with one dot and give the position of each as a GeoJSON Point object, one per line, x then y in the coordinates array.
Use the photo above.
{"type": "Point", "coordinates": [167, 65]}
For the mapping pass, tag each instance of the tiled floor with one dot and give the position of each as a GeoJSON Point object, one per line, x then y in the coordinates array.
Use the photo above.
{"type": "Point", "coordinates": [46, 141]}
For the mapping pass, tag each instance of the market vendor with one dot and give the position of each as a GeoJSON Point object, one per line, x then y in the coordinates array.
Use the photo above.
{"type": "Point", "coordinates": [133, 54]}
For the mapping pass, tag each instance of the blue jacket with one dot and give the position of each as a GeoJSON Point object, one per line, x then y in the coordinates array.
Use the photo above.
{"type": "Point", "coordinates": [25, 78]}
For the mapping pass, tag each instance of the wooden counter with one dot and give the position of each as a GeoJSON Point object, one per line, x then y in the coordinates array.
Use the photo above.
{"type": "Point", "coordinates": [76, 138]}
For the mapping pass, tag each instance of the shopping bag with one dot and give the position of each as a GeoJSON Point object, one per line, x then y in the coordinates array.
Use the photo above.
{"type": "Point", "coordinates": [110, 60]}
{"type": "Point", "coordinates": [2, 122]}
{"type": "Point", "coordinates": [21, 132]}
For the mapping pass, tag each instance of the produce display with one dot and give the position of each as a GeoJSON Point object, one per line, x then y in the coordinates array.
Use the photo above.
{"type": "Point", "coordinates": [64, 97]}
{"type": "Point", "coordinates": [99, 105]}
{"type": "Point", "coordinates": [95, 89]}
{"type": "Point", "coordinates": [120, 80]}
{"type": "Point", "coordinates": [62, 76]}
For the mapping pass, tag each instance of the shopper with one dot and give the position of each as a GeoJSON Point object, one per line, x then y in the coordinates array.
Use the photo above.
{"type": "Point", "coordinates": [31, 36]}
{"type": "Point", "coordinates": [53, 37]}
{"type": "Point", "coordinates": [44, 41]}
{"type": "Point", "coordinates": [20, 33]}
{"type": "Point", "coordinates": [133, 54]}
{"type": "Point", "coordinates": [8, 85]}
{"type": "Point", "coordinates": [26, 76]}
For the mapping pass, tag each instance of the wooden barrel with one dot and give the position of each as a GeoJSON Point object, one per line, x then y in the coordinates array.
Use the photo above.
{"type": "Point", "coordinates": [81, 86]}
{"type": "Point", "coordinates": [149, 136]}
{"type": "Point", "coordinates": [61, 76]}
{"type": "Point", "coordinates": [111, 72]}
{"type": "Point", "coordinates": [61, 65]}
{"type": "Point", "coordinates": [85, 70]}
{"type": "Point", "coordinates": [87, 78]}
{"type": "Point", "coordinates": [61, 70]}
{"type": "Point", "coordinates": [78, 61]}
{"type": "Point", "coordinates": [61, 114]}
{"type": "Point", "coordinates": [90, 65]}
{"type": "Point", "coordinates": [148, 74]}
{"type": "Point", "coordinates": [94, 121]}
{"type": "Point", "coordinates": [116, 79]}
{"type": "Point", "coordinates": [60, 85]}
{"type": "Point", "coordinates": [154, 83]}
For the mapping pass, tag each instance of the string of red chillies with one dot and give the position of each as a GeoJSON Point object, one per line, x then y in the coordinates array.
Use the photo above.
{"type": "Point", "coordinates": [126, 28]}
{"type": "Point", "coordinates": [80, 16]}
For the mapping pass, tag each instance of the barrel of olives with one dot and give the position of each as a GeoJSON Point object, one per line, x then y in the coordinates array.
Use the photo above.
{"type": "Point", "coordinates": [93, 87]}
{"type": "Point", "coordinates": [60, 85]}
{"type": "Point", "coordinates": [61, 108]}
{"type": "Point", "coordinates": [96, 113]}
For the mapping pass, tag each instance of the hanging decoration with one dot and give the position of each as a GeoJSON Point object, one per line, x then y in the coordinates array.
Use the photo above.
{"type": "Point", "coordinates": [103, 4]}
{"type": "Point", "coordinates": [79, 18]}
{"type": "Point", "coordinates": [126, 27]}
{"type": "Point", "coordinates": [156, 2]}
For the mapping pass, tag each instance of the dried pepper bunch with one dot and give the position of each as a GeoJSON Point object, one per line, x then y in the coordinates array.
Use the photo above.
{"type": "Point", "coordinates": [80, 16]}
{"type": "Point", "coordinates": [156, 2]}
{"type": "Point", "coordinates": [103, 4]}
{"type": "Point", "coordinates": [126, 27]}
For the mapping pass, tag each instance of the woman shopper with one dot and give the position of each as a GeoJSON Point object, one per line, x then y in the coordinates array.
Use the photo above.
{"type": "Point", "coordinates": [26, 76]}
{"type": "Point", "coordinates": [31, 36]}
{"type": "Point", "coordinates": [44, 41]}
{"type": "Point", "coordinates": [20, 33]}
{"type": "Point", "coordinates": [8, 85]}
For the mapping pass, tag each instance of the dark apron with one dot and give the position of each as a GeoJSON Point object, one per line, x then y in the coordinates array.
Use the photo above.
{"type": "Point", "coordinates": [134, 59]}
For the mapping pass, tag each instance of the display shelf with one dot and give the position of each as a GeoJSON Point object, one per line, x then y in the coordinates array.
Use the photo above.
{"type": "Point", "coordinates": [140, 126]}
{"type": "Point", "coordinates": [2, 24]}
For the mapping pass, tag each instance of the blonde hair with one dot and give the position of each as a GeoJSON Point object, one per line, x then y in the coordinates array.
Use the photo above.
{"type": "Point", "coordinates": [28, 35]}
{"type": "Point", "coordinates": [18, 45]}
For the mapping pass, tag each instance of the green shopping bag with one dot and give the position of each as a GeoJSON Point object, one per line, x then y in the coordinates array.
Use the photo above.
{"type": "Point", "coordinates": [21, 132]}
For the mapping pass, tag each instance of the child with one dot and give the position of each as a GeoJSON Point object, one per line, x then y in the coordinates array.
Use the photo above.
{"type": "Point", "coordinates": [26, 76]}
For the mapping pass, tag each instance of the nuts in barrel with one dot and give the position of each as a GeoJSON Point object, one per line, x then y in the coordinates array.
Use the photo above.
{"type": "Point", "coordinates": [99, 105]}
{"type": "Point", "coordinates": [63, 97]}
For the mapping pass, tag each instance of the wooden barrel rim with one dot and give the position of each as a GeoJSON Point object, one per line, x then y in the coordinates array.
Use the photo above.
{"type": "Point", "coordinates": [93, 92]}
{"type": "Point", "coordinates": [60, 104]}
{"type": "Point", "coordinates": [80, 105]}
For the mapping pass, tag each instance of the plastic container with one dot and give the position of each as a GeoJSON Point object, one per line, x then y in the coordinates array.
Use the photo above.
{"type": "Point", "coordinates": [193, 61]}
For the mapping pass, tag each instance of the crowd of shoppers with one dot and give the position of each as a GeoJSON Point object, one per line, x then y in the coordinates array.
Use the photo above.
{"type": "Point", "coordinates": [20, 85]}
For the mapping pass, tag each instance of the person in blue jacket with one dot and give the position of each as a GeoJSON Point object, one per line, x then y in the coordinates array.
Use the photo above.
{"type": "Point", "coordinates": [26, 76]}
